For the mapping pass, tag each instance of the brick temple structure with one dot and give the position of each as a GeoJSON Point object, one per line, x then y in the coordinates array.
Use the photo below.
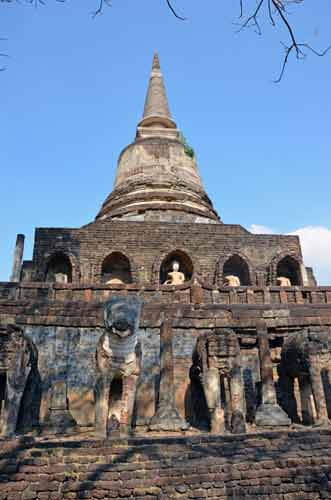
{"type": "Point", "coordinates": [160, 353]}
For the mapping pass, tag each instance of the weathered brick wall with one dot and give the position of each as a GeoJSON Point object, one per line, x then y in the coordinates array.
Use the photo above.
{"type": "Point", "coordinates": [267, 466]}
{"type": "Point", "coordinates": [146, 244]}
{"type": "Point", "coordinates": [188, 293]}
{"type": "Point", "coordinates": [72, 329]}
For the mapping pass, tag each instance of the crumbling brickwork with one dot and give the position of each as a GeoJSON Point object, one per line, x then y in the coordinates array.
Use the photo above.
{"type": "Point", "coordinates": [147, 244]}
{"type": "Point", "coordinates": [271, 466]}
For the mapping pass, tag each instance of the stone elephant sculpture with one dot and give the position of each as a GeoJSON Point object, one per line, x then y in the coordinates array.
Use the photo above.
{"type": "Point", "coordinates": [216, 361]}
{"type": "Point", "coordinates": [306, 356]}
{"type": "Point", "coordinates": [118, 365]}
{"type": "Point", "coordinates": [25, 356]}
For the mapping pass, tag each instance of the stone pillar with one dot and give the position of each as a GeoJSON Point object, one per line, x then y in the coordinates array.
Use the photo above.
{"type": "Point", "coordinates": [237, 399]}
{"type": "Point", "coordinates": [196, 293]}
{"type": "Point", "coordinates": [318, 390]}
{"type": "Point", "coordinates": [18, 256]}
{"type": "Point", "coordinates": [212, 390]}
{"type": "Point", "coordinates": [306, 397]}
{"type": "Point", "coordinates": [128, 400]}
{"type": "Point", "coordinates": [304, 275]}
{"type": "Point", "coordinates": [167, 417]}
{"type": "Point", "coordinates": [260, 279]}
{"type": "Point", "coordinates": [289, 399]}
{"type": "Point", "coordinates": [269, 413]}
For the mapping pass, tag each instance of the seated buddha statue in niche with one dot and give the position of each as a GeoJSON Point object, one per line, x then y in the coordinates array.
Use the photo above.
{"type": "Point", "coordinates": [61, 278]}
{"type": "Point", "coordinates": [231, 280]}
{"type": "Point", "coordinates": [115, 281]}
{"type": "Point", "coordinates": [283, 281]}
{"type": "Point", "coordinates": [175, 277]}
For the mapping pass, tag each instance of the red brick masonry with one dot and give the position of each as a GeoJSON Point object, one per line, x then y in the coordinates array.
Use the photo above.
{"type": "Point", "coordinates": [266, 466]}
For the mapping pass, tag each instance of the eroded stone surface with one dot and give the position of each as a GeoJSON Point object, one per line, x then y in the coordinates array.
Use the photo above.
{"type": "Point", "coordinates": [69, 366]}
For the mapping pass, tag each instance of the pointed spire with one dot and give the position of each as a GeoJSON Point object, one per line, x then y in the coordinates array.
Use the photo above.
{"type": "Point", "coordinates": [156, 62]}
{"type": "Point", "coordinates": [156, 110]}
{"type": "Point", "coordinates": [156, 178]}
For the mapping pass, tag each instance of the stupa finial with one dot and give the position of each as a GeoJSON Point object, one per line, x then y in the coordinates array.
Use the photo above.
{"type": "Point", "coordinates": [156, 110]}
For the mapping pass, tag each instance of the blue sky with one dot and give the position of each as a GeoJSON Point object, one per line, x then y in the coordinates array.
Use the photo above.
{"type": "Point", "coordinates": [74, 90]}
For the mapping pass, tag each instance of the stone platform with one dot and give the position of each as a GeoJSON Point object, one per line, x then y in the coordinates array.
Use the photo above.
{"type": "Point", "coordinates": [270, 466]}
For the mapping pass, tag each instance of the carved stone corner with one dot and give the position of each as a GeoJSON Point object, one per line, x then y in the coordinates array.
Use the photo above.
{"type": "Point", "coordinates": [271, 415]}
{"type": "Point", "coordinates": [168, 419]}
{"type": "Point", "coordinates": [59, 422]}
{"type": "Point", "coordinates": [238, 423]}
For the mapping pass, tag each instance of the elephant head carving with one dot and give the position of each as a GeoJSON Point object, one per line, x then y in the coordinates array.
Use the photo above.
{"type": "Point", "coordinates": [118, 364]}
{"type": "Point", "coordinates": [216, 361]}
{"type": "Point", "coordinates": [306, 356]}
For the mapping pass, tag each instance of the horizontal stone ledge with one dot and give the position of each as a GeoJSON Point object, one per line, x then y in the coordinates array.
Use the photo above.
{"type": "Point", "coordinates": [110, 445]}
{"type": "Point", "coordinates": [146, 286]}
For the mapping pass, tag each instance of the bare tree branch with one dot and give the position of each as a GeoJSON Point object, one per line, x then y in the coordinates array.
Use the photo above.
{"type": "Point", "coordinates": [273, 10]}
{"type": "Point", "coordinates": [99, 10]}
{"type": "Point", "coordinates": [174, 12]}
{"type": "Point", "coordinates": [252, 20]}
{"type": "Point", "coordinates": [277, 9]}
{"type": "Point", "coordinates": [2, 68]}
{"type": "Point", "coordinates": [299, 55]}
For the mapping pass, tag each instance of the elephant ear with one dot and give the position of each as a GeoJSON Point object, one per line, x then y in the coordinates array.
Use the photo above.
{"type": "Point", "coordinates": [108, 310]}
{"type": "Point", "coordinates": [107, 316]}
{"type": "Point", "coordinates": [134, 305]}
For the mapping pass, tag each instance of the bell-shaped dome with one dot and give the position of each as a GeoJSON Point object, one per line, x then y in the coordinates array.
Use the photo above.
{"type": "Point", "coordinates": [157, 175]}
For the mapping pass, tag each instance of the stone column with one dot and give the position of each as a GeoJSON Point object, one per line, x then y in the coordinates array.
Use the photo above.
{"type": "Point", "coordinates": [212, 391]}
{"type": "Point", "coordinates": [196, 293]}
{"type": "Point", "coordinates": [289, 399]}
{"type": "Point", "coordinates": [304, 275]}
{"type": "Point", "coordinates": [167, 417]}
{"type": "Point", "coordinates": [129, 398]}
{"type": "Point", "coordinates": [269, 413]}
{"type": "Point", "coordinates": [237, 399]}
{"type": "Point", "coordinates": [318, 390]}
{"type": "Point", "coordinates": [306, 397]}
{"type": "Point", "coordinates": [18, 256]}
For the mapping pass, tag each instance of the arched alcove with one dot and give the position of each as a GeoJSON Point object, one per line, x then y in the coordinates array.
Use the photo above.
{"type": "Point", "coordinates": [116, 269]}
{"type": "Point", "coordinates": [29, 411]}
{"type": "Point", "coordinates": [237, 266]}
{"type": "Point", "coordinates": [288, 267]}
{"type": "Point", "coordinates": [185, 265]}
{"type": "Point", "coordinates": [115, 399]}
{"type": "Point", "coordinates": [59, 269]}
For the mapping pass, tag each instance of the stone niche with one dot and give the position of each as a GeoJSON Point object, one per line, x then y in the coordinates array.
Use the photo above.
{"type": "Point", "coordinates": [185, 266]}
{"type": "Point", "coordinates": [289, 268]}
{"type": "Point", "coordinates": [236, 267]}
{"type": "Point", "coordinates": [59, 269]}
{"type": "Point", "coordinates": [116, 269]}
